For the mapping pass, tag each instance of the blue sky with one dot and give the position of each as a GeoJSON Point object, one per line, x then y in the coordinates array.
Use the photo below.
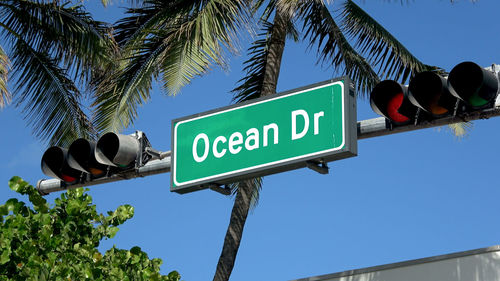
{"type": "Point", "coordinates": [404, 196]}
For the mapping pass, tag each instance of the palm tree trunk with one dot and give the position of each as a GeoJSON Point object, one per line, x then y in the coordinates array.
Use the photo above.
{"type": "Point", "coordinates": [234, 232]}
{"type": "Point", "coordinates": [276, 48]}
{"type": "Point", "coordinates": [241, 205]}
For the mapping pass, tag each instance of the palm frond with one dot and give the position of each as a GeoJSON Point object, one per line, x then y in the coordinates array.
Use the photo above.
{"type": "Point", "coordinates": [5, 96]}
{"type": "Point", "coordinates": [215, 25]}
{"type": "Point", "coordinates": [267, 11]}
{"type": "Point", "coordinates": [119, 94]}
{"type": "Point", "coordinates": [67, 33]}
{"type": "Point", "coordinates": [381, 48]}
{"type": "Point", "coordinates": [291, 7]}
{"type": "Point", "coordinates": [215, 21]}
{"type": "Point", "coordinates": [50, 98]}
{"type": "Point", "coordinates": [332, 47]}
{"type": "Point", "coordinates": [288, 8]}
{"type": "Point", "coordinates": [461, 130]}
{"type": "Point", "coordinates": [135, 28]}
{"type": "Point", "coordinates": [250, 86]}
{"type": "Point", "coordinates": [105, 3]}
{"type": "Point", "coordinates": [182, 63]}
{"type": "Point", "coordinates": [179, 40]}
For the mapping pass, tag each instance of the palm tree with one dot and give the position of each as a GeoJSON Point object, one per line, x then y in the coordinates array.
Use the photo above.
{"type": "Point", "coordinates": [51, 49]}
{"type": "Point", "coordinates": [175, 41]}
{"type": "Point", "coordinates": [379, 49]}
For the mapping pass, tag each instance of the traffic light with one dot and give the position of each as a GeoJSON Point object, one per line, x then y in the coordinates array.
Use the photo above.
{"type": "Point", "coordinates": [476, 86]}
{"type": "Point", "coordinates": [87, 160]}
{"type": "Point", "coordinates": [429, 96]}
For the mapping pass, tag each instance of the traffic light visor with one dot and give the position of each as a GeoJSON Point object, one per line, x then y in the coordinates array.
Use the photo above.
{"type": "Point", "coordinates": [81, 157]}
{"type": "Point", "coordinates": [117, 150]}
{"type": "Point", "coordinates": [389, 99]}
{"type": "Point", "coordinates": [429, 91]}
{"type": "Point", "coordinates": [54, 165]}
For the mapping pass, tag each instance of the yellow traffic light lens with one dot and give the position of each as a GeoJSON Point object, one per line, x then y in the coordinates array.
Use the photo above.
{"type": "Point", "coordinates": [437, 110]}
{"type": "Point", "coordinates": [96, 172]}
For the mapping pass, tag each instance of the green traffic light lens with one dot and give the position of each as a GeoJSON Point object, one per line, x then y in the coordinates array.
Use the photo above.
{"type": "Point", "coordinates": [477, 101]}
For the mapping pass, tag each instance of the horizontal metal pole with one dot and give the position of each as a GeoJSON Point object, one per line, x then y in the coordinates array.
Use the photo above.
{"type": "Point", "coordinates": [366, 129]}
{"type": "Point", "coordinates": [153, 167]}
{"type": "Point", "coordinates": [380, 126]}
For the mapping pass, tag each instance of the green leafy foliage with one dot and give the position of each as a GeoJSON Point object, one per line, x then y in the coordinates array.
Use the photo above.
{"type": "Point", "coordinates": [60, 242]}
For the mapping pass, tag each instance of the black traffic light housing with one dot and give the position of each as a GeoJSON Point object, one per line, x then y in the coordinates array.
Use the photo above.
{"type": "Point", "coordinates": [469, 88]}
{"type": "Point", "coordinates": [87, 160]}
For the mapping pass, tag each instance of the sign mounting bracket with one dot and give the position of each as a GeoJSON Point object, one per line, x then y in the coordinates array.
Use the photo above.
{"type": "Point", "coordinates": [318, 166]}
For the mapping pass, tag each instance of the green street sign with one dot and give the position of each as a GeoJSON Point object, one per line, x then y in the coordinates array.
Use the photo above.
{"type": "Point", "coordinates": [265, 136]}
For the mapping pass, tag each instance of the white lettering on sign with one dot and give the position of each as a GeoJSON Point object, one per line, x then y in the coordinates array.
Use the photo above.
{"type": "Point", "coordinates": [305, 116]}
{"type": "Point", "coordinates": [195, 147]}
{"type": "Point", "coordinates": [237, 141]}
{"type": "Point", "coordinates": [274, 127]}
{"type": "Point", "coordinates": [218, 154]}
{"type": "Point", "coordinates": [252, 136]}
{"type": "Point", "coordinates": [316, 121]}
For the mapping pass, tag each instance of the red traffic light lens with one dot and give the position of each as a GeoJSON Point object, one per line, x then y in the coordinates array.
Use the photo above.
{"type": "Point", "coordinates": [67, 178]}
{"type": "Point", "coordinates": [392, 108]}
{"type": "Point", "coordinates": [389, 99]}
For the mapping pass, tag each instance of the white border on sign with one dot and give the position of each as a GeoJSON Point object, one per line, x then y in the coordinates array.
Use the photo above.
{"type": "Point", "coordinates": [179, 185]}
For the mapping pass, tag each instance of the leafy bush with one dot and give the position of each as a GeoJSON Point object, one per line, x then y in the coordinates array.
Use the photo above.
{"type": "Point", "coordinates": [60, 243]}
